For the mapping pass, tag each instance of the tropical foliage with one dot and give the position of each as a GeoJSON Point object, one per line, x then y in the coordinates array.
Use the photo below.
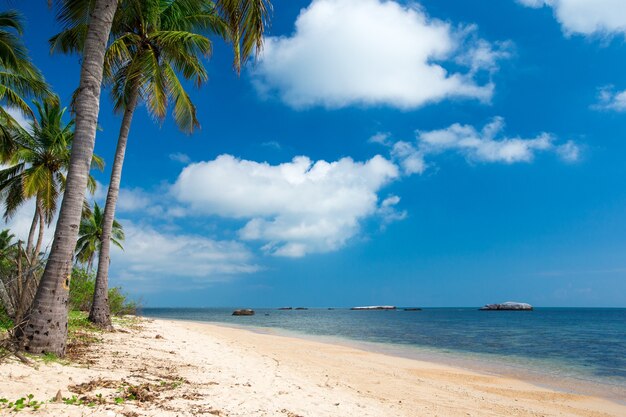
{"type": "Point", "coordinates": [38, 162]}
{"type": "Point", "coordinates": [90, 235]}
{"type": "Point", "coordinates": [19, 78]}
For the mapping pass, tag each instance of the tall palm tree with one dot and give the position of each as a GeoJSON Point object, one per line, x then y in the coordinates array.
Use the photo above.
{"type": "Point", "coordinates": [153, 43]}
{"type": "Point", "coordinates": [19, 78]}
{"type": "Point", "coordinates": [37, 168]}
{"type": "Point", "coordinates": [90, 236]}
{"type": "Point", "coordinates": [46, 328]}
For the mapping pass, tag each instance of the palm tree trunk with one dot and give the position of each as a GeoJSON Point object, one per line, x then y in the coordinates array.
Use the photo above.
{"type": "Point", "coordinates": [100, 313]}
{"type": "Point", "coordinates": [46, 329]}
{"type": "Point", "coordinates": [42, 227]}
{"type": "Point", "coordinates": [33, 227]}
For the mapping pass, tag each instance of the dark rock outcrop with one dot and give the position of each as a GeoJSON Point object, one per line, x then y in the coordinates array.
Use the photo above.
{"type": "Point", "coordinates": [243, 312]}
{"type": "Point", "coordinates": [413, 309]}
{"type": "Point", "coordinates": [374, 308]}
{"type": "Point", "coordinates": [286, 308]}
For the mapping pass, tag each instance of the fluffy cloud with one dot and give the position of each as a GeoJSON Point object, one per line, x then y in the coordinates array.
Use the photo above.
{"type": "Point", "coordinates": [485, 145]}
{"type": "Point", "coordinates": [298, 207]}
{"type": "Point", "coordinates": [609, 99]}
{"type": "Point", "coordinates": [586, 17]}
{"type": "Point", "coordinates": [153, 258]}
{"type": "Point", "coordinates": [374, 52]}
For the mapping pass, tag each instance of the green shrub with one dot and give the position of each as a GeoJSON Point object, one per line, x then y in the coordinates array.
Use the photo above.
{"type": "Point", "coordinates": [5, 321]}
{"type": "Point", "coordinates": [82, 287]}
{"type": "Point", "coordinates": [120, 304]}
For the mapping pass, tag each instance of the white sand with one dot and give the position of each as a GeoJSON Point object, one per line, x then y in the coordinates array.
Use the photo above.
{"type": "Point", "coordinates": [234, 372]}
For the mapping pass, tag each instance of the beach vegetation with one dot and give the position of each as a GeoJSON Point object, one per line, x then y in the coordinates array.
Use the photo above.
{"type": "Point", "coordinates": [153, 45]}
{"type": "Point", "coordinates": [136, 71]}
{"type": "Point", "coordinates": [82, 287]}
{"type": "Point", "coordinates": [27, 402]}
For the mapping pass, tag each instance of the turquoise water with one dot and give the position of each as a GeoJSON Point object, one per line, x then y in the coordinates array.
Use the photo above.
{"type": "Point", "coordinates": [577, 344]}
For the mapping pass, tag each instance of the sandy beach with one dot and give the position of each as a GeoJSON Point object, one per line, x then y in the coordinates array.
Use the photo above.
{"type": "Point", "coordinates": [175, 368]}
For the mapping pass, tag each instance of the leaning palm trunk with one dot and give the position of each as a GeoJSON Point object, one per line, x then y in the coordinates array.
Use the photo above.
{"type": "Point", "coordinates": [33, 227]}
{"type": "Point", "coordinates": [100, 313]}
{"type": "Point", "coordinates": [42, 227]}
{"type": "Point", "coordinates": [46, 326]}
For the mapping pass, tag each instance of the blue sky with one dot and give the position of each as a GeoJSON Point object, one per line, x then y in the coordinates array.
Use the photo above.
{"type": "Point", "coordinates": [446, 154]}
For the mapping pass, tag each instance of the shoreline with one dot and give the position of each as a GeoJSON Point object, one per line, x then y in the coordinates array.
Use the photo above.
{"type": "Point", "coordinates": [185, 368]}
{"type": "Point", "coordinates": [484, 364]}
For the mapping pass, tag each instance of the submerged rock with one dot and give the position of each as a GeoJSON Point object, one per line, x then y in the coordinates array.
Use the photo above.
{"type": "Point", "coordinates": [374, 308]}
{"type": "Point", "coordinates": [301, 308]}
{"type": "Point", "coordinates": [413, 309]}
{"type": "Point", "coordinates": [509, 305]}
{"type": "Point", "coordinates": [286, 308]}
{"type": "Point", "coordinates": [243, 312]}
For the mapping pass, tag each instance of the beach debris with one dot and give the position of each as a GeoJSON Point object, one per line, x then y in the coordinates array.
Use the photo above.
{"type": "Point", "coordinates": [374, 308]}
{"type": "Point", "coordinates": [59, 397]}
{"type": "Point", "coordinates": [158, 336]}
{"type": "Point", "coordinates": [289, 413]}
{"type": "Point", "coordinates": [243, 312]}
{"type": "Point", "coordinates": [509, 305]}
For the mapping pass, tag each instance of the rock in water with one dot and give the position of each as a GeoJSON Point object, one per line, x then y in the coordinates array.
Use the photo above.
{"type": "Point", "coordinates": [243, 312]}
{"type": "Point", "coordinates": [509, 305]}
{"type": "Point", "coordinates": [374, 308]}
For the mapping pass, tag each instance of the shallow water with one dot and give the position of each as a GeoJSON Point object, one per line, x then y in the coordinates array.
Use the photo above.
{"type": "Point", "coordinates": [554, 346]}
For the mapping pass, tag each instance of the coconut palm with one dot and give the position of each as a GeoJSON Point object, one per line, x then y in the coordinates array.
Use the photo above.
{"type": "Point", "coordinates": [154, 43]}
{"type": "Point", "coordinates": [19, 78]}
{"type": "Point", "coordinates": [38, 166]}
{"type": "Point", "coordinates": [46, 328]}
{"type": "Point", "coordinates": [90, 236]}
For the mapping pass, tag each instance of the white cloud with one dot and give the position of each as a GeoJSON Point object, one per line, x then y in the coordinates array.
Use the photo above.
{"type": "Point", "coordinates": [374, 52]}
{"type": "Point", "coordinates": [410, 157]}
{"type": "Point", "coordinates": [388, 211]}
{"type": "Point", "coordinates": [152, 258]}
{"type": "Point", "coordinates": [485, 145]}
{"type": "Point", "coordinates": [131, 200]}
{"type": "Point", "coordinates": [298, 207]}
{"type": "Point", "coordinates": [382, 138]}
{"type": "Point", "coordinates": [569, 151]}
{"type": "Point", "coordinates": [586, 17]}
{"type": "Point", "coordinates": [609, 99]}
{"type": "Point", "coordinates": [482, 145]}
{"type": "Point", "coordinates": [180, 157]}
{"type": "Point", "coordinates": [137, 200]}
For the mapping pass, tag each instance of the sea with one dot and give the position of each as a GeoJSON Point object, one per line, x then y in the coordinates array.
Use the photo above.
{"type": "Point", "coordinates": [580, 350]}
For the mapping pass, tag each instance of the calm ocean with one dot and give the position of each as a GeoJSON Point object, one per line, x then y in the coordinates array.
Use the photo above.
{"type": "Point", "coordinates": [560, 347]}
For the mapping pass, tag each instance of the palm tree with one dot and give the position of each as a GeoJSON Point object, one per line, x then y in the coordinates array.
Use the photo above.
{"type": "Point", "coordinates": [153, 43]}
{"type": "Point", "coordinates": [46, 328]}
{"type": "Point", "coordinates": [90, 236]}
{"type": "Point", "coordinates": [37, 167]}
{"type": "Point", "coordinates": [19, 78]}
